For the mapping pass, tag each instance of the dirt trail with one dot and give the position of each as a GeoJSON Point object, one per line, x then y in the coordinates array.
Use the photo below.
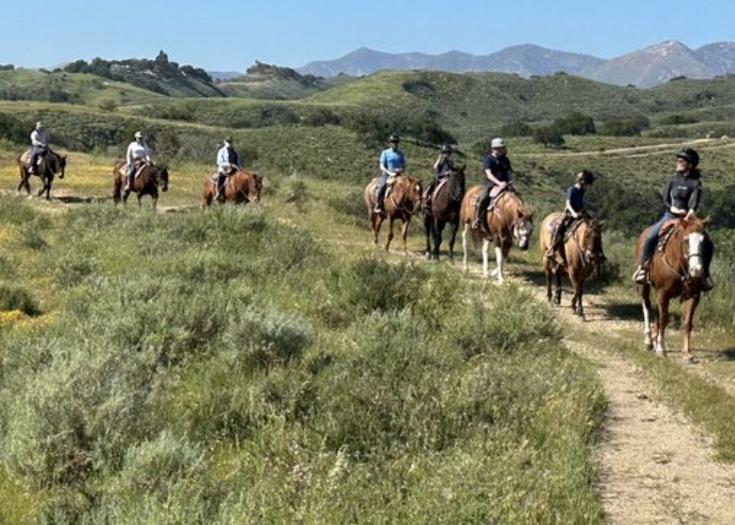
{"type": "Point", "coordinates": [636, 151]}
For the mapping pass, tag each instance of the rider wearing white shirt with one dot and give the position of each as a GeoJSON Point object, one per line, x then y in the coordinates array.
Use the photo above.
{"type": "Point", "coordinates": [137, 151]}
{"type": "Point", "coordinates": [39, 145]}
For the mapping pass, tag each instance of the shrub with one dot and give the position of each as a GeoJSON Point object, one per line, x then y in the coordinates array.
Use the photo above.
{"type": "Point", "coordinates": [548, 136]}
{"type": "Point", "coordinates": [625, 126]}
{"type": "Point", "coordinates": [517, 128]}
{"type": "Point", "coordinates": [575, 124]}
{"type": "Point", "coordinates": [16, 297]}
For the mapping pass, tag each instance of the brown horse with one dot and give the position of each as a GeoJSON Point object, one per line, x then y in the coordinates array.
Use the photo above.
{"type": "Point", "coordinates": [675, 271]}
{"type": "Point", "coordinates": [403, 201]}
{"type": "Point", "coordinates": [582, 253]}
{"type": "Point", "coordinates": [49, 166]}
{"type": "Point", "coordinates": [508, 220]}
{"type": "Point", "coordinates": [241, 187]}
{"type": "Point", "coordinates": [146, 182]}
{"type": "Point", "coordinates": [445, 206]}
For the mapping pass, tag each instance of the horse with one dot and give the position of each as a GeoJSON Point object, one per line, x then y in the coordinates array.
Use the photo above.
{"type": "Point", "coordinates": [583, 254]}
{"type": "Point", "coordinates": [241, 187]}
{"type": "Point", "coordinates": [445, 206]}
{"type": "Point", "coordinates": [677, 270]}
{"type": "Point", "coordinates": [146, 182]}
{"type": "Point", "coordinates": [403, 201]}
{"type": "Point", "coordinates": [507, 220]}
{"type": "Point", "coordinates": [51, 164]}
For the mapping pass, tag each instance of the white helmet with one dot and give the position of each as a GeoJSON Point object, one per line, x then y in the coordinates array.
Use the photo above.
{"type": "Point", "coordinates": [497, 143]}
{"type": "Point", "coordinates": [39, 125]}
{"type": "Point", "coordinates": [138, 135]}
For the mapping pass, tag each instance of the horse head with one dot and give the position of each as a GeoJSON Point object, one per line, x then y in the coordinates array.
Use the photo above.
{"type": "Point", "coordinates": [522, 227]}
{"type": "Point", "coordinates": [162, 175]}
{"type": "Point", "coordinates": [255, 187]}
{"type": "Point", "coordinates": [412, 192]}
{"type": "Point", "coordinates": [694, 233]}
{"type": "Point", "coordinates": [590, 243]}
{"type": "Point", "coordinates": [61, 165]}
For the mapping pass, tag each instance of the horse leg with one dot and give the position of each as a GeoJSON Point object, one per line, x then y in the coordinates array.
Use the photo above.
{"type": "Point", "coordinates": [375, 223]}
{"type": "Point", "coordinates": [645, 293]}
{"type": "Point", "coordinates": [438, 227]}
{"type": "Point", "coordinates": [43, 188]}
{"type": "Point", "coordinates": [454, 226]}
{"type": "Point", "coordinates": [155, 202]}
{"type": "Point", "coordinates": [499, 261]}
{"type": "Point", "coordinates": [428, 230]}
{"type": "Point", "coordinates": [578, 293]}
{"type": "Point", "coordinates": [690, 305]}
{"type": "Point", "coordinates": [24, 181]}
{"type": "Point", "coordinates": [390, 234]}
{"type": "Point", "coordinates": [48, 184]}
{"type": "Point", "coordinates": [465, 231]}
{"type": "Point", "coordinates": [547, 274]}
{"type": "Point", "coordinates": [404, 234]}
{"type": "Point", "coordinates": [485, 254]}
{"type": "Point", "coordinates": [557, 290]}
{"type": "Point", "coordinates": [663, 320]}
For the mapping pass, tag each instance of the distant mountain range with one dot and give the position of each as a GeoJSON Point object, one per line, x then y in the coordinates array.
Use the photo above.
{"type": "Point", "coordinates": [647, 67]}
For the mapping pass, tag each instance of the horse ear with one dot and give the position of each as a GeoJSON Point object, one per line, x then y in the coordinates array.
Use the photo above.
{"type": "Point", "coordinates": [707, 221]}
{"type": "Point", "coordinates": [601, 224]}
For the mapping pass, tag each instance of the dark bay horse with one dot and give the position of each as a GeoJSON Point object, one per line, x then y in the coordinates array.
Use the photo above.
{"type": "Point", "coordinates": [508, 220]}
{"type": "Point", "coordinates": [582, 253]}
{"type": "Point", "coordinates": [241, 187]}
{"type": "Point", "coordinates": [403, 201]}
{"type": "Point", "coordinates": [50, 165]}
{"type": "Point", "coordinates": [446, 202]}
{"type": "Point", "coordinates": [146, 182]}
{"type": "Point", "coordinates": [676, 271]}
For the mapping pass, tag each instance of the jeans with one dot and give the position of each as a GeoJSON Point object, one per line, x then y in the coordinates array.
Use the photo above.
{"type": "Point", "coordinates": [650, 245]}
{"type": "Point", "coordinates": [35, 152]}
{"type": "Point", "coordinates": [382, 185]}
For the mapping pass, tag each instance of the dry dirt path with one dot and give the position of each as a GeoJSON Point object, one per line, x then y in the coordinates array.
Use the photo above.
{"type": "Point", "coordinates": [636, 151]}
{"type": "Point", "coordinates": [655, 465]}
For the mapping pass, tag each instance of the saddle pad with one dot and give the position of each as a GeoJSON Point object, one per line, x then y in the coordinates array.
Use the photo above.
{"type": "Point", "coordinates": [665, 234]}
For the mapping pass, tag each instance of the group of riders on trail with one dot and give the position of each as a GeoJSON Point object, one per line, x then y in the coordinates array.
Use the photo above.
{"type": "Point", "coordinates": [682, 196]}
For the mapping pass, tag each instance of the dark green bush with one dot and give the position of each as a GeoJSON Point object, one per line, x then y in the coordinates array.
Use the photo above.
{"type": "Point", "coordinates": [16, 297]}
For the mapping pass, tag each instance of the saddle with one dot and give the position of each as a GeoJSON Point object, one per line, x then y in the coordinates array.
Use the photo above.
{"type": "Point", "coordinates": [442, 182]}
{"type": "Point", "coordinates": [389, 189]}
{"type": "Point", "coordinates": [26, 157]}
{"type": "Point", "coordinates": [667, 230]}
{"type": "Point", "coordinates": [573, 226]}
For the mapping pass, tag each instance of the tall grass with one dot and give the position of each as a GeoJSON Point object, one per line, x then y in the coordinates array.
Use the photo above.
{"type": "Point", "coordinates": [222, 368]}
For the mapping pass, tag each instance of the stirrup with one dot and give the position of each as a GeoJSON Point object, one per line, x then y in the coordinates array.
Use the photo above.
{"type": "Point", "coordinates": [640, 275]}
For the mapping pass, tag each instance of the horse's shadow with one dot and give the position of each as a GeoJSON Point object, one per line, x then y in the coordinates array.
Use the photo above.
{"type": "Point", "coordinates": [622, 311]}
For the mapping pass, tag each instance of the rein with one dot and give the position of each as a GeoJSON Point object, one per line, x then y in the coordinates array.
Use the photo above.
{"type": "Point", "coordinates": [683, 274]}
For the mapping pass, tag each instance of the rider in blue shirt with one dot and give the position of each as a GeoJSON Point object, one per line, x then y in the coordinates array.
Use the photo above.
{"type": "Point", "coordinates": [392, 163]}
{"type": "Point", "coordinates": [573, 211]}
{"type": "Point", "coordinates": [498, 173]}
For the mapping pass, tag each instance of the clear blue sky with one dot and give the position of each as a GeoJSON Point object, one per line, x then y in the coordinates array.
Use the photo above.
{"type": "Point", "coordinates": [230, 35]}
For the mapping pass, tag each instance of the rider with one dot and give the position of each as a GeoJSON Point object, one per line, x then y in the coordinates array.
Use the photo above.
{"type": "Point", "coordinates": [137, 151]}
{"type": "Point", "coordinates": [39, 145]}
{"type": "Point", "coordinates": [498, 172]}
{"type": "Point", "coordinates": [443, 167]}
{"type": "Point", "coordinates": [228, 161]}
{"type": "Point", "coordinates": [682, 195]}
{"type": "Point", "coordinates": [574, 210]}
{"type": "Point", "coordinates": [392, 163]}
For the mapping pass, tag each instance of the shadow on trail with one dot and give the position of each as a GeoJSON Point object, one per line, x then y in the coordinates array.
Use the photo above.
{"type": "Point", "coordinates": [623, 311]}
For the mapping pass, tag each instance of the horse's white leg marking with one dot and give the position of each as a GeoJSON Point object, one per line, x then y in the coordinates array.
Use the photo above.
{"type": "Point", "coordinates": [499, 261]}
{"type": "Point", "coordinates": [465, 230]}
{"type": "Point", "coordinates": [695, 261]}
{"type": "Point", "coordinates": [646, 326]}
{"type": "Point", "coordinates": [485, 255]}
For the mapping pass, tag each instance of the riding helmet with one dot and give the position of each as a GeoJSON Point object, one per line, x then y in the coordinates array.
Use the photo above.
{"type": "Point", "coordinates": [446, 148]}
{"type": "Point", "coordinates": [586, 176]}
{"type": "Point", "coordinates": [690, 155]}
{"type": "Point", "coordinates": [394, 139]}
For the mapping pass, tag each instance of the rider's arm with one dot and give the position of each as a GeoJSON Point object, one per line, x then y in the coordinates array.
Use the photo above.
{"type": "Point", "coordinates": [438, 163]}
{"type": "Point", "coordinates": [147, 154]}
{"type": "Point", "coordinates": [694, 199]}
{"type": "Point", "coordinates": [491, 177]}
{"type": "Point", "coordinates": [571, 210]}
{"type": "Point", "coordinates": [129, 155]}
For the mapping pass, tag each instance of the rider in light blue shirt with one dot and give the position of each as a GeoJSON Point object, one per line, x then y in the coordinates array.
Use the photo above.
{"type": "Point", "coordinates": [392, 162]}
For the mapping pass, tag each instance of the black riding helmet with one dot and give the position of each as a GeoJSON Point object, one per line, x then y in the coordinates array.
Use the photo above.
{"type": "Point", "coordinates": [446, 148]}
{"type": "Point", "coordinates": [690, 155]}
{"type": "Point", "coordinates": [394, 139]}
{"type": "Point", "coordinates": [586, 176]}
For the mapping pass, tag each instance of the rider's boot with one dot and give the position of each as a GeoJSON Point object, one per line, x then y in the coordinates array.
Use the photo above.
{"type": "Point", "coordinates": [641, 274]}
{"type": "Point", "coordinates": [129, 182]}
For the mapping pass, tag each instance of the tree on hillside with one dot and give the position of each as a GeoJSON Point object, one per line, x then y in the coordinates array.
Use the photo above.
{"type": "Point", "coordinates": [576, 123]}
{"type": "Point", "coordinates": [517, 128]}
{"type": "Point", "coordinates": [549, 136]}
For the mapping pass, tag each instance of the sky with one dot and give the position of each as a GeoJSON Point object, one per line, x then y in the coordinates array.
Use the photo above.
{"type": "Point", "coordinates": [229, 35]}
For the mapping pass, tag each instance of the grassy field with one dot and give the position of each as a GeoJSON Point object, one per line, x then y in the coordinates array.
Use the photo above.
{"type": "Point", "coordinates": [267, 364]}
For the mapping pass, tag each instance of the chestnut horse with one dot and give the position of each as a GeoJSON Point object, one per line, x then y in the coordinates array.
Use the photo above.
{"type": "Point", "coordinates": [242, 186]}
{"type": "Point", "coordinates": [445, 206]}
{"type": "Point", "coordinates": [146, 182]}
{"type": "Point", "coordinates": [508, 220]}
{"type": "Point", "coordinates": [50, 165]}
{"type": "Point", "coordinates": [675, 271]}
{"type": "Point", "coordinates": [403, 201]}
{"type": "Point", "coordinates": [582, 253]}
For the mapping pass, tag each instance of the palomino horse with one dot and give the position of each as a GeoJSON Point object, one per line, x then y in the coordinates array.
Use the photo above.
{"type": "Point", "coordinates": [241, 187]}
{"type": "Point", "coordinates": [582, 253]}
{"type": "Point", "coordinates": [146, 182]}
{"type": "Point", "coordinates": [403, 201]}
{"type": "Point", "coordinates": [50, 165]}
{"type": "Point", "coordinates": [445, 206]}
{"type": "Point", "coordinates": [508, 220]}
{"type": "Point", "coordinates": [675, 271]}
